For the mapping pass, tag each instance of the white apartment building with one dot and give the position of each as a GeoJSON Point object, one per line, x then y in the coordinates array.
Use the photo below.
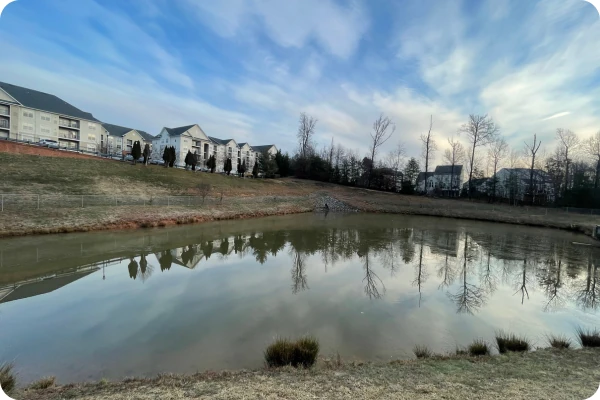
{"type": "Point", "coordinates": [224, 149]}
{"type": "Point", "coordinates": [29, 115]}
{"type": "Point", "coordinates": [185, 138]}
{"type": "Point", "coordinates": [266, 148]}
{"type": "Point", "coordinates": [119, 140]}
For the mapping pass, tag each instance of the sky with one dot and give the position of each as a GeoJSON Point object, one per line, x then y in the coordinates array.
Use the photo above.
{"type": "Point", "coordinates": [246, 69]}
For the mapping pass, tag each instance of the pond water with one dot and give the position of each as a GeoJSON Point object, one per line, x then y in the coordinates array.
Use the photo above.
{"type": "Point", "coordinates": [212, 296]}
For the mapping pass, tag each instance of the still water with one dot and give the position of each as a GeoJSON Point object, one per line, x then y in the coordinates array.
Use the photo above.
{"type": "Point", "coordinates": [212, 296]}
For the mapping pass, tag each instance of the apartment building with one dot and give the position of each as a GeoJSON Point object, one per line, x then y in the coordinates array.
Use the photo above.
{"type": "Point", "coordinates": [247, 154]}
{"type": "Point", "coordinates": [29, 115]}
{"type": "Point", "coordinates": [266, 148]}
{"type": "Point", "coordinates": [117, 139]}
{"type": "Point", "coordinates": [184, 138]}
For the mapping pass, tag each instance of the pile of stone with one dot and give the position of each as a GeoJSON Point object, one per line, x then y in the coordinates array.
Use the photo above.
{"type": "Point", "coordinates": [328, 203]}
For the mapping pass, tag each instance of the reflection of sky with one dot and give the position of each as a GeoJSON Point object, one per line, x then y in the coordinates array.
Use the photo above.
{"type": "Point", "coordinates": [222, 314]}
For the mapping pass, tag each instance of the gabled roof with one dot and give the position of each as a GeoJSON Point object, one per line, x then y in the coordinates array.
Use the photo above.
{"type": "Point", "coordinates": [147, 137]}
{"type": "Point", "coordinates": [220, 141]}
{"type": "Point", "coordinates": [447, 169]}
{"type": "Point", "coordinates": [263, 148]}
{"type": "Point", "coordinates": [178, 131]}
{"type": "Point", "coordinates": [116, 130]}
{"type": "Point", "coordinates": [44, 102]}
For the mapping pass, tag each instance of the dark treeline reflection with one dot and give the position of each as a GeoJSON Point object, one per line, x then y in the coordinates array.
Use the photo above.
{"type": "Point", "coordinates": [468, 266]}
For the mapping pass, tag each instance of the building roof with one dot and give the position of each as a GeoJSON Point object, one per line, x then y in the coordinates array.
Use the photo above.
{"type": "Point", "coordinates": [220, 141]}
{"type": "Point", "coordinates": [263, 148]}
{"type": "Point", "coordinates": [147, 137]}
{"type": "Point", "coordinates": [45, 102]}
{"type": "Point", "coordinates": [447, 169]}
{"type": "Point", "coordinates": [117, 130]}
{"type": "Point", "coordinates": [179, 131]}
{"type": "Point", "coordinates": [43, 286]}
{"type": "Point", "coordinates": [421, 176]}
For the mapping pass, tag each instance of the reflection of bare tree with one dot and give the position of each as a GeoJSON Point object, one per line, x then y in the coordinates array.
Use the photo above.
{"type": "Point", "coordinates": [446, 272]}
{"type": "Point", "coordinates": [522, 283]}
{"type": "Point", "coordinates": [488, 279]}
{"type": "Point", "coordinates": [587, 297]}
{"type": "Point", "coordinates": [299, 273]}
{"type": "Point", "coordinates": [389, 258]}
{"type": "Point", "coordinates": [421, 274]}
{"type": "Point", "coordinates": [133, 268]}
{"type": "Point", "coordinates": [145, 268]}
{"type": "Point", "coordinates": [371, 281]}
{"type": "Point", "coordinates": [552, 284]}
{"type": "Point", "coordinates": [408, 248]}
{"type": "Point", "coordinates": [470, 297]}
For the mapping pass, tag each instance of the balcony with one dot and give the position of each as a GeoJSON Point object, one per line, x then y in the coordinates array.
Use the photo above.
{"type": "Point", "coordinates": [4, 110]}
{"type": "Point", "coordinates": [69, 135]}
{"type": "Point", "coordinates": [68, 123]}
{"type": "Point", "coordinates": [4, 124]}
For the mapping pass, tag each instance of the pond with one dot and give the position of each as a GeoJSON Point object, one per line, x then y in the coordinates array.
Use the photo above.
{"type": "Point", "coordinates": [213, 296]}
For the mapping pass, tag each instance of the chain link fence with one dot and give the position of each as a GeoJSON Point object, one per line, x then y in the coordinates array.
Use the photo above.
{"type": "Point", "coordinates": [30, 202]}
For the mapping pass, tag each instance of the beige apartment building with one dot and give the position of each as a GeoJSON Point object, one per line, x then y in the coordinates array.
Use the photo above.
{"type": "Point", "coordinates": [31, 116]}
{"type": "Point", "coordinates": [119, 140]}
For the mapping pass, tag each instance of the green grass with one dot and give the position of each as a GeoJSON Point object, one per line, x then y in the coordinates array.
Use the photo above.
{"type": "Point", "coordinates": [7, 378]}
{"type": "Point", "coordinates": [588, 338]}
{"type": "Point", "coordinates": [510, 342]}
{"type": "Point", "coordinates": [422, 352]}
{"type": "Point", "coordinates": [24, 173]}
{"type": "Point", "coordinates": [301, 353]}
{"type": "Point", "coordinates": [479, 348]}
{"type": "Point", "coordinates": [558, 341]}
{"type": "Point", "coordinates": [43, 383]}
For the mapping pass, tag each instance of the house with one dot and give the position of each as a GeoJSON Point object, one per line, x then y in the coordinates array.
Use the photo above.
{"type": "Point", "coordinates": [248, 155]}
{"type": "Point", "coordinates": [29, 115]}
{"type": "Point", "coordinates": [119, 140]}
{"type": "Point", "coordinates": [184, 138]}
{"type": "Point", "coordinates": [267, 148]}
{"type": "Point", "coordinates": [425, 179]}
{"type": "Point", "coordinates": [448, 179]}
{"type": "Point", "coordinates": [225, 149]}
{"type": "Point", "coordinates": [513, 184]}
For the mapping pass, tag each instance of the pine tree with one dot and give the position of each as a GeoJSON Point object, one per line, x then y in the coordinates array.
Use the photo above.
{"type": "Point", "coordinates": [146, 153]}
{"type": "Point", "coordinates": [194, 161]}
{"type": "Point", "coordinates": [211, 163]}
{"type": "Point", "coordinates": [188, 159]}
{"type": "Point", "coordinates": [243, 168]}
{"type": "Point", "coordinates": [166, 156]}
{"type": "Point", "coordinates": [228, 166]}
{"type": "Point", "coordinates": [173, 157]}
{"type": "Point", "coordinates": [136, 151]}
{"type": "Point", "coordinates": [255, 170]}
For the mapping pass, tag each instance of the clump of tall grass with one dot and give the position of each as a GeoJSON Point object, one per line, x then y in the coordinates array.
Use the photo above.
{"type": "Point", "coordinates": [301, 353]}
{"type": "Point", "coordinates": [7, 378]}
{"type": "Point", "coordinates": [558, 341]}
{"type": "Point", "coordinates": [43, 383]}
{"type": "Point", "coordinates": [588, 338]}
{"type": "Point", "coordinates": [511, 342]}
{"type": "Point", "coordinates": [422, 352]}
{"type": "Point", "coordinates": [479, 348]}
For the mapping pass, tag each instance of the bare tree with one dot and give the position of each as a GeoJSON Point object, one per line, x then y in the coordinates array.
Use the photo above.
{"type": "Point", "coordinates": [395, 159]}
{"type": "Point", "coordinates": [496, 153]}
{"type": "Point", "coordinates": [379, 136]}
{"type": "Point", "coordinates": [592, 147]}
{"type": "Point", "coordinates": [454, 155]}
{"type": "Point", "coordinates": [306, 131]}
{"type": "Point", "coordinates": [204, 189]}
{"type": "Point", "coordinates": [568, 142]}
{"type": "Point", "coordinates": [531, 152]}
{"type": "Point", "coordinates": [480, 131]}
{"type": "Point", "coordinates": [429, 147]}
{"type": "Point", "coordinates": [330, 153]}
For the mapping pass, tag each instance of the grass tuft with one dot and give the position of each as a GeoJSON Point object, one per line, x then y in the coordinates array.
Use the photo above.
{"type": "Point", "coordinates": [511, 342]}
{"type": "Point", "coordinates": [479, 348]}
{"type": "Point", "coordinates": [588, 338]}
{"type": "Point", "coordinates": [302, 353]}
{"type": "Point", "coordinates": [558, 341]}
{"type": "Point", "coordinates": [422, 352]}
{"type": "Point", "coordinates": [43, 383]}
{"type": "Point", "coordinates": [7, 378]}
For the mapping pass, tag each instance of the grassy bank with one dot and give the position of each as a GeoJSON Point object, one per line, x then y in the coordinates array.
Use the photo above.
{"type": "Point", "coordinates": [543, 374]}
{"type": "Point", "coordinates": [29, 174]}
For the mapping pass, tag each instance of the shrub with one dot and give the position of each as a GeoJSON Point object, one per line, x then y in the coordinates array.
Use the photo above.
{"type": "Point", "coordinates": [422, 352]}
{"type": "Point", "coordinates": [461, 351]}
{"type": "Point", "coordinates": [511, 342]}
{"type": "Point", "coordinates": [7, 378]}
{"type": "Point", "coordinates": [559, 342]}
{"type": "Point", "coordinates": [302, 353]}
{"type": "Point", "coordinates": [479, 348]}
{"type": "Point", "coordinates": [43, 383]}
{"type": "Point", "coordinates": [589, 338]}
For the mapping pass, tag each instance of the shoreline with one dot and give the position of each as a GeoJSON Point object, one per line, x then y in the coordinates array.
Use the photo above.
{"type": "Point", "coordinates": [511, 375]}
{"type": "Point", "coordinates": [135, 217]}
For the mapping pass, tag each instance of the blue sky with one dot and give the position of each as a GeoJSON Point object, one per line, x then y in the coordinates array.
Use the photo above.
{"type": "Point", "coordinates": [247, 68]}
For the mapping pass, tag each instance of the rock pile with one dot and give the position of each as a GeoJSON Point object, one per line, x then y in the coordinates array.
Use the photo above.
{"type": "Point", "coordinates": [325, 202]}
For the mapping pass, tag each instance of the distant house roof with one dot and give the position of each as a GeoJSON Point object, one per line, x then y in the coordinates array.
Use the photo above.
{"type": "Point", "coordinates": [45, 102]}
{"type": "Point", "coordinates": [263, 148]}
{"type": "Point", "coordinates": [243, 144]}
{"type": "Point", "coordinates": [220, 141]}
{"type": "Point", "coordinates": [447, 169]}
{"type": "Point", "coordinates": [147, 137]}
{"type": "Point", "coordinates": [117, 130]}
{"type": "Point", "coordinates": [179, 131]}
{"type": "Point", "coordinates": [421, 176]}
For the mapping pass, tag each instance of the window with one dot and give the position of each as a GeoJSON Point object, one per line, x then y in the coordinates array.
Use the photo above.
{"type": "Point", "coordinates": [45, 117]}
{"type": "Point", "coordinates": [45, 130]}
{"type": "Point", "coordinates": [91, 127]}
{"type": "Point", "coordinates": [27, 114]}
{"type": "Point", "coordinates": [129, 143]}
{"type": "Point", "coordinates": [28, 127]}
{"type": "Point", "coordinates": [4, 110]}
{"type": "Point", "coordinates": [91, 138]}
{"type": "Point", "coordinates": [91, 147]}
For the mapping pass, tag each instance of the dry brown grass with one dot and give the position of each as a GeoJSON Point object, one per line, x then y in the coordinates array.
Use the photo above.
{"type": "Point", "coordinates": [515, 376]}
